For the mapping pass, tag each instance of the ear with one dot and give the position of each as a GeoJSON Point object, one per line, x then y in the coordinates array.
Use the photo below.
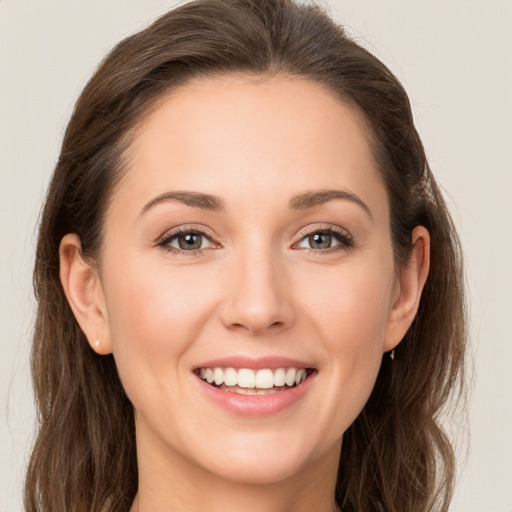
{"type": "Point", "coordinates": [84, 292]}
{"type": "Point", "coordinates": [408, 290]}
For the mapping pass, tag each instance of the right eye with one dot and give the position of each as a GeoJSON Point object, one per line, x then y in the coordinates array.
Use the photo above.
{"type": "Point", "coordinates": [191, 241]}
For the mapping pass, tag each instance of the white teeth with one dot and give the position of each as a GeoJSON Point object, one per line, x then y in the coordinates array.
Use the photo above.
{"type": "Point", "coordinates": [264, 379]}
{"type": "Point", "coordinates": [230, 377]}
{"type": "Point", "coordinates": [279, 377]}
{"type": "Point", "coordinates": [290, 376]}
{"type": "Point", "coordinates": [219, 376]}
{"type": "Point", "coordinates": [246, 379]}
{"type": "Point", "coordinates": [300, 377]}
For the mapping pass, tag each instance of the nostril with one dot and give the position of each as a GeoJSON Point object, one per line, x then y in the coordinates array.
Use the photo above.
{"type": "Point", "coordinates": [254, 313]}
{"type": "Point", "coordinates": [255, 328]}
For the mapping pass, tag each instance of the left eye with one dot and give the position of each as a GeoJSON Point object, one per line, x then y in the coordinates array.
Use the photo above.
{"type": "Point", "coordinates": [321, 240]}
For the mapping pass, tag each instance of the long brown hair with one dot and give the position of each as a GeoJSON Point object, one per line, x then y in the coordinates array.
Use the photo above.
{"type": "Point", "coordinates": [395, 457]}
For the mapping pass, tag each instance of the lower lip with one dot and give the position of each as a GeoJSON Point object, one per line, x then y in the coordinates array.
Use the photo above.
{"type": "Point", "coordinates": [256, 405]}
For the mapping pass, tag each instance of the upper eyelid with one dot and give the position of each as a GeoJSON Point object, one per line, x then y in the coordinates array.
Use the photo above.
{"type": "Point", "coordinates": [326, 228]}
{"type": "Point", "coordinates": [174, 232]}
{"type": "Point", "coordinates": [203, 231]}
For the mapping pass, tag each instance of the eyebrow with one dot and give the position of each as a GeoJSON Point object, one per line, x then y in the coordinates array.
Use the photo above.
{"type": "Point", "coordinates": [313, 198]}
{"type": "Point", "coordinates": [194, 199]}
{"type": "Point", "coordinates": [303, 201]}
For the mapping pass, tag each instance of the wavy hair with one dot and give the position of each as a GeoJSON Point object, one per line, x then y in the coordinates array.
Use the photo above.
{"type": "Point", "coordinates": [395, 456]}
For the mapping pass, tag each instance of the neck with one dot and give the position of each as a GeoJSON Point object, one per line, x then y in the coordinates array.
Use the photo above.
{"type": "Point", "coordinates": [167, 483]}
{"type": "Point", "coordinates": [231, 498]}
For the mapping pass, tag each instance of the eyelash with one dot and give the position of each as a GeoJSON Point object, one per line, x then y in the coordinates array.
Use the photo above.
{"type": "Point", "coordinates": [342, 236]}
{"type": "Point", "coordinates": [174, 235]}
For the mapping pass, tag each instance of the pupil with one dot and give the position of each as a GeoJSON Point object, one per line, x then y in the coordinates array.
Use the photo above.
{"type": "Point", "coordinates": [189, 241]}
{"type": "Point", "coordinates": [320, 241]}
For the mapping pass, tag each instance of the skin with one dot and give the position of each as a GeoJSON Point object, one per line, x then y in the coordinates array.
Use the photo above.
{"type": "Point", "coordinates": [255, 289]}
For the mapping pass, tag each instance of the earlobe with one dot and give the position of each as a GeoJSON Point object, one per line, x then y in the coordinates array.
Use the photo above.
{"type": "Point", "coordinates": [84, 292]}
{"type": "Point", "coordinates": [410, 286]}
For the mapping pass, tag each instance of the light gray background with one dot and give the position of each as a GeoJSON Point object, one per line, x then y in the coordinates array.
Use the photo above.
{"type": "Point", "coordinates": [454, 58]}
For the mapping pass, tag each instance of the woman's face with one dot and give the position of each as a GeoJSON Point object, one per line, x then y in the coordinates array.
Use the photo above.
{"type": "Point", "coordinates": [251, 232]}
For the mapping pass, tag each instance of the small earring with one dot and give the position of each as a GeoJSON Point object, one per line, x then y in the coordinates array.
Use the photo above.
{"type": "Point", "coordinates": [97, 343]}
{"type": "Point", "coordinates": [392, 355]}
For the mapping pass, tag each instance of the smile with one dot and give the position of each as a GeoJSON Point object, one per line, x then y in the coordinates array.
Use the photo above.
{"type": "Point", "coordinates": [246, 381]}
{"type": "Point", "coordinates": [255, 386]}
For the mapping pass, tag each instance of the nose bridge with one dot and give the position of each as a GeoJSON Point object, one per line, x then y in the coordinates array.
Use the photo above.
{"type": "Point", "coordinates": [258, 298]}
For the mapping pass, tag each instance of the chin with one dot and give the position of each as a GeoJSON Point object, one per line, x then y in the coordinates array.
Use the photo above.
{"type": "Point", "coordinates": [258, 472]}
{"type": "Point", "coordinates": [260, 461]}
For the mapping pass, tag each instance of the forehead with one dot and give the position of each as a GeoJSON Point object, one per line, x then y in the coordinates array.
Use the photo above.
{"type": "Point", "coordinates": [245, 138]}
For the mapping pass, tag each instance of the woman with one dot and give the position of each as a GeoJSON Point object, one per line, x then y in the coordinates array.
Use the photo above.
{"type": "Point", "coordinates": [250, 289]}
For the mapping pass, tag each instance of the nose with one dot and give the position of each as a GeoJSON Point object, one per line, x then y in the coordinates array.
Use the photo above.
{"type": "Point", "coordinates": [258, 295]}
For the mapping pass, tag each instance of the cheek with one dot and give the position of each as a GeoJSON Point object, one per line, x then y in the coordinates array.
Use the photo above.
{"type": "Point", "coordinates": [154, 317]}
{"type": "Point", "coordinates": [352, 304]}
{"type": "Point", "coordinates": [348, 311]}
{"type": "Point", "coordinates": [155, 303]}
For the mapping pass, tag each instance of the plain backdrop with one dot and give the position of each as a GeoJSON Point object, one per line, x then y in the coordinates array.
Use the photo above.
{"type": "Point", "coordinates": [454, 58]}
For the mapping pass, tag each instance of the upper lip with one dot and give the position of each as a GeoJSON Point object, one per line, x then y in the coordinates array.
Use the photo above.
{"type": "Point", "coordinates": [271, 362]}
